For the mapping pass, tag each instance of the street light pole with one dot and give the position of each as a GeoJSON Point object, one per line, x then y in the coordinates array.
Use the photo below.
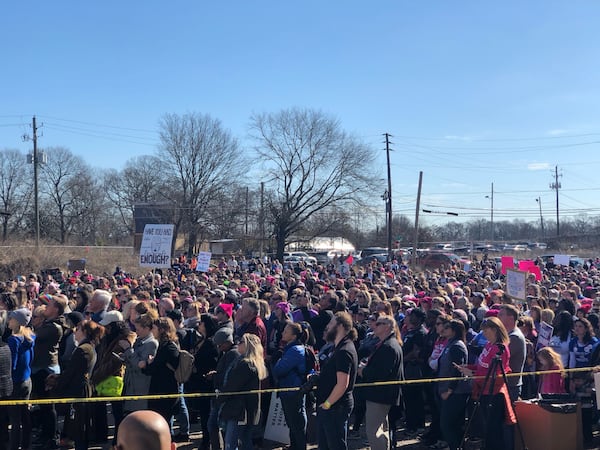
{"type": "Point", "coordinates": [539, 200]}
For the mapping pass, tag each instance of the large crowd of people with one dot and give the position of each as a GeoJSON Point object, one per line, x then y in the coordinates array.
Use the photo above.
{"type": "Point", "coordinates": [341, 334]}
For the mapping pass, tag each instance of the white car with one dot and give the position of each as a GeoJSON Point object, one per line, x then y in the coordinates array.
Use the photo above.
{"type": "Point", "coordinates": [311, 260]}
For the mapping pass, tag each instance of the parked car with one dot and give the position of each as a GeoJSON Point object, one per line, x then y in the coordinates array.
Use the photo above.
{"type": "Point", "coordinates": [516, 248]}
{"type": "Point", "coordinates": [380, 257]}
{"type": "Point", "coordinates": [291, 262]}
{"type": "Point", "coordinates": [366, 252]}
{"type": "Point", "coordinates": [437, 260]}
{"type": "Point", "coordinates": [321, 257]}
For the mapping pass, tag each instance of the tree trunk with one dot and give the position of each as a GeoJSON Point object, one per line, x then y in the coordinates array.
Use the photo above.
{"type": "Point", "coordinates": [280, 238]}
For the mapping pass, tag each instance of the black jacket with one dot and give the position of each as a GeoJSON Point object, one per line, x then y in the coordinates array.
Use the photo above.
{"type": "Point", "coordinates": [245, 408]}
{"type": "Point", "coordinates": [385, 364]}
{"type": "Point", "coordinates": [6, 383]}
{"type": "Point", "coordinates": [163, 378]}
{"type": "Point", "coordinates": [48, 336]}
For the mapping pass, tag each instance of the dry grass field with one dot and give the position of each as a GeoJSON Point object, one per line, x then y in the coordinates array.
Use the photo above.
{"type": "Point", "coordinates": [23, 258]}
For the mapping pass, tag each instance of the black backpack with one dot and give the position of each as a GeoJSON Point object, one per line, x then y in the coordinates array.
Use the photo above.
{"type": "Point", "coordinates": [311, 362]}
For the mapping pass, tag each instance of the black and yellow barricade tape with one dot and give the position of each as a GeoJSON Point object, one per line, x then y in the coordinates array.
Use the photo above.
{"type": "Point", "coordinates": [49, 401]}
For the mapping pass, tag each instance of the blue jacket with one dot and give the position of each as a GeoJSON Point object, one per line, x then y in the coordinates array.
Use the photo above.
{"type": "Point", "coordinates": [22, 355]}
{"type": "Point", "coordinates": [290, 369]}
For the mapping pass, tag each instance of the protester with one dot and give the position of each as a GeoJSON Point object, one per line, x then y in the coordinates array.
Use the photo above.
{"type": "Point", "coordinates": [228, 354]}
{"type": "Point", "coordinates": [289, 372]}
{"type": "Point", "coordinates": [161, 368]}
{"type": "Point", "coordinates": [562, 335]}
{"type": "Point", "coordinates": [241, 412]}
{"type": "Point", "coordinates": [108, 371]}
{"type": "Point", "coordinates": [144, 430]}
{"type": "Point", "coordinates": [21, 344]}
{"type": "Point", "coordinates": [550, 383]}
{"type": "Point", "coordinates": [75, 382]}
{"type": "Point", "coordinates": [137, 348]}
{"type": "Point", "coordinates": [453, 394]}
{"type": "Point", "coordinates": [416, 354]}
{"type": "Point", "coordinates": [45, 363]}
{"type": "Point", "coordinates": [205, 361]}
{"type": "Point", "coordinates": [336, 383]}
{"type": "Point", "coordinates": [384, 364]}
{"type": "Point", "coordinates": [581, 384]}
{"type": "Point", "coordinates": [491, 391]}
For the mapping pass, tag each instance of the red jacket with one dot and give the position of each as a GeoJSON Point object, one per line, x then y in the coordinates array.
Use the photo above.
{"type": "Point", "coordinates": [481, 387]}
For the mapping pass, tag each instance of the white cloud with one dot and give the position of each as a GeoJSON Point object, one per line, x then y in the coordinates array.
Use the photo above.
{"type": "Point", "coordinates": [557, 132]}
{"type": "Point", "coordinates": [538, 166]}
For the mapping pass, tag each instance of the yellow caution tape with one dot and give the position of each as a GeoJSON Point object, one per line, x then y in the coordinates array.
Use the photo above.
{"type": "Point", "coordinates": [49, 401]}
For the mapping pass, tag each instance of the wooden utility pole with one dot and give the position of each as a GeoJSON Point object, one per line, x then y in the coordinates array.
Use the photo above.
{"type": "Point", "coordinates": [416, 241]}
{"type": "Point", "coordinates": [556, 186]}
{"type": "Point", "coordinates": [389, 198]}
{"type": "Point", "coordinates": [262, 219]}
{"type": "Point", "coordinates": [34, 159]}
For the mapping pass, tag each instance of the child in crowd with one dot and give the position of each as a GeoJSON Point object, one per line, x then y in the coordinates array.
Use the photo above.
{"type": "Point", "coordinates": [551, 383]}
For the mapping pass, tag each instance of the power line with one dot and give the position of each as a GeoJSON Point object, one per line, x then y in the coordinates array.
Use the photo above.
{"type": "Point", "coordinates": [87, 130]}
{"type": "Point", "coordinates": [101, 125]}
{"type": "Point", "coordinates": [101, 137]}
{"type": "Point", "coordinates": [467, 139]}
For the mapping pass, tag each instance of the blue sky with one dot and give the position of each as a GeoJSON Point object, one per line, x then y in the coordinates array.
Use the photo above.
{"type": "Point", "coordinates": [473, 93]}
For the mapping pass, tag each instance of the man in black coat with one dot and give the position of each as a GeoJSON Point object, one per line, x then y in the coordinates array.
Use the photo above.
{"type": "Point", "coordinates": [384, 364]}
{"type": "Point", "coordinates": [327, 304]}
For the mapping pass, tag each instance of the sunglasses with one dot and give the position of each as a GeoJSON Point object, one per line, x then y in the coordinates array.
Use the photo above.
{"type": "Point", "coordinates": [380, 323]}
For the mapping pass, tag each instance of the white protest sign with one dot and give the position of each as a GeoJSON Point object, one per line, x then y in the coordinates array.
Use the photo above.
{"type": "Point", "coordinates": [203, 261]}
{"type": "Point", "coordinates": [597, 386]}
{"type": "Point", "coordinates": [276, 428]}
{"type": "Point", "coordinates": [515, 283]}
{"type": "Point", "coordinates": [155, 250]}
{"type": "Point", "coordinates": [562, 260]}
{"type": "Point", "coordinates": [544, 335]}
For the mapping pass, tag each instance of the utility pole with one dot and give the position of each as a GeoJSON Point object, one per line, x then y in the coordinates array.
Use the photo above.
{"type": "Point", "coordinates": [556, 186]}
{"type": "Point", "coordinates": [389, 198]}
{"type": "Point", "coordinates": [262, 219]}
{"type": "Point", "coordinates": [539, 200]}
{"type": "Point", "coordinates": [246, 222]}
{"type": "Point", "coordinates": [35, 160]}
{"type": "Point", "coordinates": [416, 241]}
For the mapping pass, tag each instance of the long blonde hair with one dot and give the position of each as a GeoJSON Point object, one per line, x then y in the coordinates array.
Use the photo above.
{"type": "Point", "coordinates": [24, 331]}
{"type": "Point", "coordinates": [553, 359]}
{"type": "Point", "coordinates": [254, 354]}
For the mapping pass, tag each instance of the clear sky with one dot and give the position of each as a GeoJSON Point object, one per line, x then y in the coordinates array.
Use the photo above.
{"type": "Point", "coordinates": [473, 92]}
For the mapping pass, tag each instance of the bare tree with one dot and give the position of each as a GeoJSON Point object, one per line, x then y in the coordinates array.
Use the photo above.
{"type": "Point", "coordinates": [15, 190]}
{"type": "Point", "coordinates": [199, 158]}
{"type": "Point", "coordinates": [60, 184]}
{"type": "Point", "coordinates": [136, 183]}
{"type": "Point", "coordinates": [311, 164]}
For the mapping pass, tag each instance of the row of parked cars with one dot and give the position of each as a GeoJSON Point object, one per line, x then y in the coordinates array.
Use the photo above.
{"type": "Point", "coordinates": [441, 255]}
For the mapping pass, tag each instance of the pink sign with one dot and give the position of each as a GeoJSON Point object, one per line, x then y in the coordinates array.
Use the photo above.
{"type": "Point", "coordinates": [529, 266]}
{"type": "Point", "coordinates": [507, 263]}
{"type": "Point", "coordinates": [536, 271]}
{"type": "Point", "coordinates": [525, 264]}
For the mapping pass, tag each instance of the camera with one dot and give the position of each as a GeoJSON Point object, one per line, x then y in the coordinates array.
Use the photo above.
{"type": "Point", "coordinates": [311, 382]}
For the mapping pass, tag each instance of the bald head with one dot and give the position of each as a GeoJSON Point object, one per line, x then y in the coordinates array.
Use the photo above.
{"type": "Point", "coordinates": [144, 430]}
